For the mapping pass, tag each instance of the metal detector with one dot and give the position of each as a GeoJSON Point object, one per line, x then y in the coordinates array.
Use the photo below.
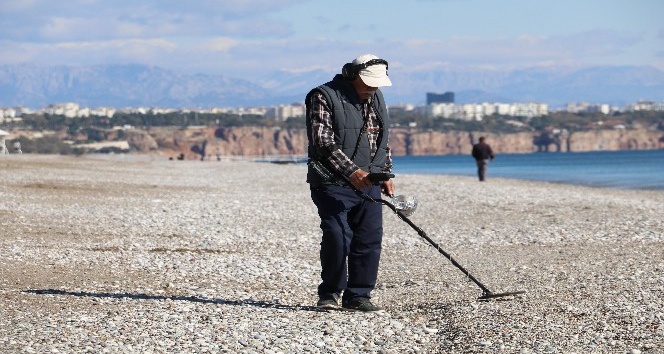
{"type": "Point", "coordinates": [486, 293]}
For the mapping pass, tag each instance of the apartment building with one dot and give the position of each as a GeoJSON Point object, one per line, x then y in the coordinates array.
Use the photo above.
{"type": "Point", "coordinates": [477, 111]}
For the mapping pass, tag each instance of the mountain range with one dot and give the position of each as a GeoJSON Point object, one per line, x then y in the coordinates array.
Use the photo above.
{"type": "Point", "coordinates": [134, 85]}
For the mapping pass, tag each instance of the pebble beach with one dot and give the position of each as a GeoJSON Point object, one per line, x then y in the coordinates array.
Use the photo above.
{"type": "Point", "coordinates": [139, 254]}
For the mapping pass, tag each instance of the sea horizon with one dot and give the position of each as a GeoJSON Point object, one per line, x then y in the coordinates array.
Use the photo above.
{"type": "Point", "coordinates": [623, 169]}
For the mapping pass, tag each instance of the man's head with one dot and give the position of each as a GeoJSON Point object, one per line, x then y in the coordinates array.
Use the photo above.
{"type": "Point", "coordinates": [368, 73]}
{"type": "Point", "coordinates": [482, 139]}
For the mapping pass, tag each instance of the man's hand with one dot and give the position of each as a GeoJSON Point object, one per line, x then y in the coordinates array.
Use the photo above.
{"type": "Point", "coordinates": [360, 180]}
{"type": "Point", "coordinates": [388, 188]}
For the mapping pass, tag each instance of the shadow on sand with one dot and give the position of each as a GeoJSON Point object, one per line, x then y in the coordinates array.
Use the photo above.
{"type": "Point", "coordinates": [261, 304]}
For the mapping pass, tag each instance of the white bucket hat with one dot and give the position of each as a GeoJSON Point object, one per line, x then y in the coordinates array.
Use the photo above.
{"type": "Point", "coordinates": [375, 73]}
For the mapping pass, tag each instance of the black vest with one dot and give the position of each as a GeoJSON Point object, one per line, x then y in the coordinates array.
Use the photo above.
{"type": "Point", "coordinates": [347, 123]}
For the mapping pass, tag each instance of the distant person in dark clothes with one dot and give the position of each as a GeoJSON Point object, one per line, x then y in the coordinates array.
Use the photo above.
{"type": "Point", "coordinates": [482, 153]}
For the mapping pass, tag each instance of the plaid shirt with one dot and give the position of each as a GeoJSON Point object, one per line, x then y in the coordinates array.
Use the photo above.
{"type": "Point", "coordinates": [323, 135]}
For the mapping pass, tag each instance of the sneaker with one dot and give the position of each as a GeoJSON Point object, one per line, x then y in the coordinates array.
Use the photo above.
{"type": "Point", "coordinates": [327, 303]}
{"type": "Point", "coordinates": [361, 304]}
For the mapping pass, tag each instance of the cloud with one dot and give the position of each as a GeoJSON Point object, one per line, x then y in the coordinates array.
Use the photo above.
{"type": "Point", "coordinates": [148, 52]}
{"type": "Point", "coordinates": [252, 38]}
{"type": "Point", "coordinates": [232, 8]}
{"type": "Point", "coordinates": [513, 52]}
{"type": "Point", "coordinates": [221, 44]}
{"type": "Point", "coordinates": [49, 21]}
{"type": "Point", "coordinates": [660, 34]}
{"type": "Point", "coordinates": [256, 58]}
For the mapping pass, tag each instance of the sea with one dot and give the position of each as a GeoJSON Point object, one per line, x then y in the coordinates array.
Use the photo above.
{"type": "Point", "coordinates": [627, 169]}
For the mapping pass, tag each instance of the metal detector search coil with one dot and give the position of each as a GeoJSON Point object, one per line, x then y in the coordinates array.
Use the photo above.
{"type": "Point", "coordinates": [405, 204]}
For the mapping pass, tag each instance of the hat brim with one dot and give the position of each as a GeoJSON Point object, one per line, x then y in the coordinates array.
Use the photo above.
{"type": "Point", "coordinates": [376, 81]}
{"type": "Point", "coordinates": [375, 76]}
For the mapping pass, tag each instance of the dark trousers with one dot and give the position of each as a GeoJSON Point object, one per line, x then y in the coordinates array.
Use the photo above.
{"type": "Point", "coordinates": [481, 168]}
{"type": "Point", "coordinates": [351, 244]}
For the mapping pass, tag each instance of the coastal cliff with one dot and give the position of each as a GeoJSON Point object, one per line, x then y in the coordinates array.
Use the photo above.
{"type": "Point", "coordinates": [195, 142]}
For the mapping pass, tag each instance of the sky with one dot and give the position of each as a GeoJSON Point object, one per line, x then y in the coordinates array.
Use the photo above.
{"type": "Point", "coordinates": [252, 38]}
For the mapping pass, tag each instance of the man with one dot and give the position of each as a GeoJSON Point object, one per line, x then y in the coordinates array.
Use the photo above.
{"type": "Point", "coordinates": [347, 128]}
{"type": "Point", "coordinates": [482, 153]}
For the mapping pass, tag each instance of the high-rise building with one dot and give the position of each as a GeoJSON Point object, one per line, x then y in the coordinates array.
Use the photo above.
{"type": "Point", "coordinates": [447, 97]}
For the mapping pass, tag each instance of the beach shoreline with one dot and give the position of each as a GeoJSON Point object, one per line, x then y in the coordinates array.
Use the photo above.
{"type": "Point", "coordinates": [135, 253]}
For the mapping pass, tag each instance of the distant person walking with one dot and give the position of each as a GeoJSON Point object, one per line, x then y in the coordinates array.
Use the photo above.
{"type": "Point", "coordinates": [482, 153]}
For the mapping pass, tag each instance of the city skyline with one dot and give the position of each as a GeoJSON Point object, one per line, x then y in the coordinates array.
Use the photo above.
{"type": "Point", "coordinates": [281, 112]}
{"type": "Point", "coordinates": [252, 38]}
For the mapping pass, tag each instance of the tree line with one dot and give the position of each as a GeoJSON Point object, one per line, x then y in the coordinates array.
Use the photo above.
{"type": "Point", "coordinates": [495, 123]}
{"type": "Point", "coordinates": [92, 128]}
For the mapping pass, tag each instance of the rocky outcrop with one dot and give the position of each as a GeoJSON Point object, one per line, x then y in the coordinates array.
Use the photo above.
{"type": "Point", "coordinates": [615, 140]}
{"type": "Point", "coordinates": [229, 141]}
{"type": "Point", "coordinates": [140, 140]}
{"type": "Point", "coordinates": [262, 141]}
{"type": "Point", "coordinates": [406, 142]}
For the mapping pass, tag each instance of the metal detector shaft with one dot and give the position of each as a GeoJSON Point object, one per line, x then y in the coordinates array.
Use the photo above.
{"type": "Point", "coordinates": [486, 293]}
{"type": "Point", "coordinates": [435, 245]}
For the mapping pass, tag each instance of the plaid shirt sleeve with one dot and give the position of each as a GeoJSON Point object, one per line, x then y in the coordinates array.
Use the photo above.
{"type": "Point", "coordinates": [388, 159]}
{"type": "Point", "coordinates": [322, 135]}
